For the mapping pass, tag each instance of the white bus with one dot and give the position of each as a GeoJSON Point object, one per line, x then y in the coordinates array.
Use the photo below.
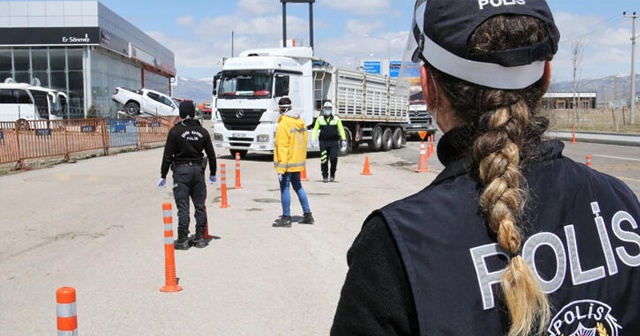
{"type": "Point", "coordinates": [21, 102]}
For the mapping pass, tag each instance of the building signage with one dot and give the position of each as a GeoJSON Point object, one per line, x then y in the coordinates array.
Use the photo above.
{"type": "Point", "coordinates": [372, 67]}
{"type": "Point", "coordinates": [394, 68]}
{"type": "Point", "coordinates": [53, 36]}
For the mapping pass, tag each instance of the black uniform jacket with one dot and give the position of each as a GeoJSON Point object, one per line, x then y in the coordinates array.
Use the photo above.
{"type": "Point", "coordinates": [186, 141]}
{"type": "Point", "coordinates": [428, 264]}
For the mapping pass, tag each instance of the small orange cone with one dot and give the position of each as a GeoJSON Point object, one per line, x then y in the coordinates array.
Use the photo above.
{"type": "Point", "coordinates": [303, 175]}
{"type": "Point", "coordinates": [588, 160]}
{"type": "Point", "coordinates": [573, 137]}
{"type": "Point", "coordinates": [171, 281]}
{"type": "Point", "coordinates": [422, 160]}
{"type": "Point", "coordinates": [238, 185]}
{"type": "Point", "coordinates": [365, 169]}
{"type": "Point", "coordinates": [223, 186]}
{"type": "Point", "coordinates": [206, 227]}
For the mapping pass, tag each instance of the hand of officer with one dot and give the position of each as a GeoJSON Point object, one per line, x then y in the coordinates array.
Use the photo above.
{"type": "Point", "coordinates": [162, 183]}
{"type": "Point", "coordinates": [212, 179]}
{"type": "Point", "coordinates": [280, 177]}
{"type": "Point", "coordinates": [343, 144]}
{"type": "Point", "coordinates": [314, 143]}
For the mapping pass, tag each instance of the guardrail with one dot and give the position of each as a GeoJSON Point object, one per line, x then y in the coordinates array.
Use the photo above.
{"type": "Point", "coordinates": [48, 138]}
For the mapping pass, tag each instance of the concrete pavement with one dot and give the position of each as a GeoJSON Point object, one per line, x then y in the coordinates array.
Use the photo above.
{"type": "Point", "coordinates": [96, 225]}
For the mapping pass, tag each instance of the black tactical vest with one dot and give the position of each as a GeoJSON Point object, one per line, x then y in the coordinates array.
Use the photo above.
{"type": "Point", "coordinates": [580, 231]}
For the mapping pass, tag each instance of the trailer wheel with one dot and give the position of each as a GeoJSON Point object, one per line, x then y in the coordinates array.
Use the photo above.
{"type": "Point", "coordinates": [387, 139]}
{"type": "Point", "coordinates": [131, 108]}
{"type": "Point", "coordinates": [242, 153]}
{"type": "Point", "coordinates": [398, 138]}
{"type": "Point", "coordinates": [376, 139]}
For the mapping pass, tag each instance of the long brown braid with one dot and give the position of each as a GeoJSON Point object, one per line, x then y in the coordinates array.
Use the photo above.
{"type": "Point", "coordinates": [506, 127]}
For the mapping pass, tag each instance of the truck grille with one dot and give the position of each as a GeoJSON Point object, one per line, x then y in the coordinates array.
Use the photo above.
{"type": "Point", "coordinates": [421, 117]}
{"type": "Point", "coordinates": [241, 119]}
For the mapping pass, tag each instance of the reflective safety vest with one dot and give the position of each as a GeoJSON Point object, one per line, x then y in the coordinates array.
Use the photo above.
{"type": "Point", "coordinates": [330, 129]}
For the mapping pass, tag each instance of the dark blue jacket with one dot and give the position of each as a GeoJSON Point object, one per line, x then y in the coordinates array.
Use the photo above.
{"type": "Point", "coordinates": [581, 232]}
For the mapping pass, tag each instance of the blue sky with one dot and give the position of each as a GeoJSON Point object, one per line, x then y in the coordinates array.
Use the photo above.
{"type": "Point", "coordinates": [348, 31]}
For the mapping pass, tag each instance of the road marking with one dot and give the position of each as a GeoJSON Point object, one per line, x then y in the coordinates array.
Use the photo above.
{"type": "Point", "coordinates": [617, 157]}
{"type": "Point", "coordinates": [628, 179]}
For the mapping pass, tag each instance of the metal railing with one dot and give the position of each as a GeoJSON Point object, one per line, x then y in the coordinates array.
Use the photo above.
{"type": "Point", "coordinates": [48, 138]}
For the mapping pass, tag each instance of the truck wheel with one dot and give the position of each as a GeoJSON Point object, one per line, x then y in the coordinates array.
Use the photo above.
{"type": "Point", "coordinates": [398, 138]}
{"type": "Point", "coordinates": [347, 150]}
{"type": "Point", "coordinates": [242, 153]}
{"type": "Point", "coordinates": [131, 108]}
{"type": "Point", "coordinates": [376, 139]}
{"type": "Point", "coordinates": [387, 139]}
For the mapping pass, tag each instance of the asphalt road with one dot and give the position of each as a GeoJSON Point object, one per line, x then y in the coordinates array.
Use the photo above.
{"type": "Point", "coordinates": [96, 225]}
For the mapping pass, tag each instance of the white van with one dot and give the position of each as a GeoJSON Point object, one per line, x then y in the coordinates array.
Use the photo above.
{"type": "Point", "coordinates": [21, 102]}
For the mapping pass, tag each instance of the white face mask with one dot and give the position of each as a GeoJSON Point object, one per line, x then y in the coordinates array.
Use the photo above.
{"type": "Point", "coordinates": [326, 112]}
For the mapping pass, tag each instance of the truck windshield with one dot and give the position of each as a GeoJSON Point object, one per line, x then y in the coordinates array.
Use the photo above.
{"type": "Point", "coordinates": [253, 84]}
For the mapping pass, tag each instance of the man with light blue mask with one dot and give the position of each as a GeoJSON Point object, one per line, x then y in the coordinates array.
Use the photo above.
{"type": "Point", "coordinates": [332, 137]}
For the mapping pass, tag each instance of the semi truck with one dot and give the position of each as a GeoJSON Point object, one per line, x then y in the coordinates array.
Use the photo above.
{"type": "Point", "coordinates": [247, 89]}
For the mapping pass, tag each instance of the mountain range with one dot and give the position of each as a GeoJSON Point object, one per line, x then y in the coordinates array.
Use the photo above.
{"type": "Point", "coordinates": [610, 89]}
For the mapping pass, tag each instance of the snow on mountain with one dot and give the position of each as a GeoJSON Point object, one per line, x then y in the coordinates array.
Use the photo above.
{"type": "Point", "coordinates": [198, 90]}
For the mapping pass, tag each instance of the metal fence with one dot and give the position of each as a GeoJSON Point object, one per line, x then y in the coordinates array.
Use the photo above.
{"type": "Point", "coordinates": [48, 138]}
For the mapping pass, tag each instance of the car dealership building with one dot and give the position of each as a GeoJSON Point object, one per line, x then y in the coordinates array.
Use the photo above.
{"type": "Point", "coordinates": [81, 48]}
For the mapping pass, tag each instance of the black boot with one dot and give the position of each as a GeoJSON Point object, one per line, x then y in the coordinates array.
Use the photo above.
{"type": "Point", "coordinates": [198, 240]}
{"type": "Point", "coordinates": [182, 243]}
{"type": "Point", "coordinates": [284, 222]}
{"type": "Point", "coordinates": [307, 218]}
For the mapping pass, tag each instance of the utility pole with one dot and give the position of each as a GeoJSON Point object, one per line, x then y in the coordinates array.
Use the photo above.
{"type": "Point", "coordinates": [633, 61]}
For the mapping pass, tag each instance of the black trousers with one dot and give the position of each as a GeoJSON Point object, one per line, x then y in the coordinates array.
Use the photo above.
{"type": "Point", "coordinates": [189, 184]}
{"type": "Point", "coordinates": [329, 154]}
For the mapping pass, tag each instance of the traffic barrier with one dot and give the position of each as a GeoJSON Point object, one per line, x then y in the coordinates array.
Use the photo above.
{"type": "Point", "coordinates": [67, 311]}
{"type": "Point", "coordinates": [366, 170]}
{"type": "Point", "coordinates": [303, 175]}
{"type": "Point", "coordinates": [238, 185]}
{"type": "Point", "coordinates": [223, 186]}
{"type": "Point", "coordinates": [206, 225]}
{"type": "Point", "coordinates": [588, 160]}
{"type": "Point", "coordinates": [171, 282]}
{"type": "Point", "coordinates": [422, 160]}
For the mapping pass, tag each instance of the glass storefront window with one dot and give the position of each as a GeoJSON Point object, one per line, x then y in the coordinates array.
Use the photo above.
{"type": "Point", "coordinates": [74, 59]}
{"type": "Point", "coordinates": [5, 65]}
{"type": "Point", "coordinates": [21, 60]}
{"type": "Point", "coordinates": [57, 59]}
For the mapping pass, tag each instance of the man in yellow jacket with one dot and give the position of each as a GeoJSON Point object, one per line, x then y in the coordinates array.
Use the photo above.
{"type": "Point", "coordinates": [289, 157]}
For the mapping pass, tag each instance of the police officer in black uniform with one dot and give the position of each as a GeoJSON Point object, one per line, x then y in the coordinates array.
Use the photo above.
{"type": "Point", "coordinates": [511, 238]}
{"type": "Point", "coordinates": [183, 152]}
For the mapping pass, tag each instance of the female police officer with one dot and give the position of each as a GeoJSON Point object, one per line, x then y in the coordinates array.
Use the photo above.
{"type": "Point", "coordinates": [511, 238]}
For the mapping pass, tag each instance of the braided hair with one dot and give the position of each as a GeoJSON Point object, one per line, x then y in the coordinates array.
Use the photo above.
{"type": "Point", "coordinates": [505, 127]}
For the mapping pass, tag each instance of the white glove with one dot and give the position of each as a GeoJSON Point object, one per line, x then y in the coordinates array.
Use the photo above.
{"type": "Point", "coordinates": [280, 177]}
{"type": "Point", "coordinates": [343, 144]}
{"type": "Point", "coordinates": [314, 143]}
{"type": "Point", "coordinates": [162, 183]}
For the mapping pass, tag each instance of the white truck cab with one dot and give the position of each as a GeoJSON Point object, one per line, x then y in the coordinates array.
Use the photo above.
{"type": "Point", "coordinates": [246, 95]}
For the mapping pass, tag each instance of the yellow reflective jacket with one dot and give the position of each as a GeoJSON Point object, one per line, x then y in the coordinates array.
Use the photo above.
{"type": "Point", "coordinates": [290, 152]}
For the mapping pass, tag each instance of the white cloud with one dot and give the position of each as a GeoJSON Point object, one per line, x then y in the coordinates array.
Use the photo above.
{"type": "Point", "coordinates": [186, 21]}
{"type": "Point", "coordinates": [256, 7]}
{"type": "Point", "coordinates": [368, 7]}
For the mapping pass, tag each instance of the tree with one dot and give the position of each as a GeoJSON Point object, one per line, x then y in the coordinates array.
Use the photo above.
{"type": "Point", "coordinates": [577, 49]}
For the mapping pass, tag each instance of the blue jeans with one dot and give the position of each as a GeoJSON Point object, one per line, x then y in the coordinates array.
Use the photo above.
{"type": "Point", "coordinates": [292, 179]}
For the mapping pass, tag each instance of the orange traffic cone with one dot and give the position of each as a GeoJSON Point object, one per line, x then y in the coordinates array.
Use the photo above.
{"type": "Point", "coordinates": [238, 185]}
{"type": "Point", "coordinates": [171, 281]}
{"type": "Point", "coordinates": [588, 160]}
{"type": "Point", "coordinates": [303, 175]}
{"type": "Point", "coordinates": [365, 169]}
{"type": "Point", "coordinates": [223, 186]}
{"type": "Point", "coordinates": [422, 160]}
{"type": "Point", "coordinates": [206, 227]}
{"type": "Point", "coordinates": [573, 137]}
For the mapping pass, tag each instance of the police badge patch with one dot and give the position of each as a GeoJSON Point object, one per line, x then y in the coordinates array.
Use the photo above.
{"type": "Point", "coordinates": [584, 318]}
